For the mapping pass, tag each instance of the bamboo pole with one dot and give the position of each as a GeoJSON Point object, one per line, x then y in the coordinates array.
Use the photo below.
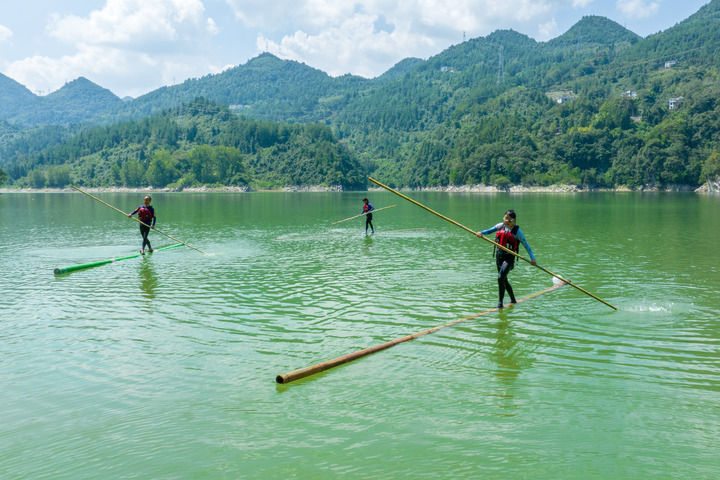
{"type": "Point", "coordinates": [83, 266]}
{"type": "Point", "coordinates": [564, 280]}
{"type": "Point", "coordinates": [137, 220]}
{"type": "Point", "coordinates": [364, 213]}
{"type": "Point", "coordinates": [321, 367]}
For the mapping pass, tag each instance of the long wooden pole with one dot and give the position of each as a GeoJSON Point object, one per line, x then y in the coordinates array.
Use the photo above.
{"type": "Point", "coordinates": [137, 220]}
{"type": "Point", "coordinates": [364, 213]}
{"type": "Point", "coordinates": [564, 280]}
{"type": "Point", "coordinates": [321, 367]}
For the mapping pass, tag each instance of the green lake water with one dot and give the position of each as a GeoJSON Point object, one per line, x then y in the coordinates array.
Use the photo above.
{"type": "Point", "coordinates": [163, 366]}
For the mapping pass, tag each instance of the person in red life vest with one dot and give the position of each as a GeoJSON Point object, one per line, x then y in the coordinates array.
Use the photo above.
{"type": "Point", "coordinates": [146, 214]}
{"type": "Point", "coordinates": [367, 208]}
{"type": "Point", "coordinates": [509, 235]}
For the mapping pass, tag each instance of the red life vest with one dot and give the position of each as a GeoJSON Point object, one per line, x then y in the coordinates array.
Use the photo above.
{"type": "Point", "coordinates": [145, 214]}
{"type": "Point", "coordinates": [507, 238]}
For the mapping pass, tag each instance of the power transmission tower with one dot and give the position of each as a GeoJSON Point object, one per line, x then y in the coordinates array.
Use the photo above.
{"type": "Point", "coordinates": [501, 67]}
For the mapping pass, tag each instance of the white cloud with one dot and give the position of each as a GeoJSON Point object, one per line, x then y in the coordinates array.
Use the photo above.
{"type": "Point", "coordinates": [369, 36]}
{"type": "Point", "coordinates": [5, 33]}
{"type": "Point", "coordinates": [128, 46]}
{"type": "Point", "coordinates": [637, 8]}
{"type": "Point", "coordinates": [310, 15]}
{"type": "Point", "coordinates": [581, 3]}
{"type": "Point", "coordinates": [137, 24]}
{"type": "Point", "coordinates": [547, 30]}
{"type": "Point", "coordinates": [352, 46]}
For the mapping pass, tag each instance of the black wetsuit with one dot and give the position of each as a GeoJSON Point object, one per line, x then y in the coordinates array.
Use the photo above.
{"type": "Point", "coordinates": [368, 217]}
{"type": "Point", "coordinates": [147, 216]}
{"type": "Point", "coordinates": [505, 262]}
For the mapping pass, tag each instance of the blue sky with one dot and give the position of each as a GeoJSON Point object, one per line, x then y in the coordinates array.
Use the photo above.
{"type": "Point", "coordinates": [135, 46]}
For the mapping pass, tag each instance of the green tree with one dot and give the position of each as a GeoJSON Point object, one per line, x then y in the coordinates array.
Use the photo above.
{"type": "Point", "coordinates": [37, 179]}
{"type": "Point", "coordinates": [230, 165]}
{"type": "Point", "coordinates": [711, 168]}
{"type": "Point", "coordinates": [162, 169]}
{"type": "Point", "coordinates": [58, 176]}
{"type": "Point", "coordinates": [131, 173]}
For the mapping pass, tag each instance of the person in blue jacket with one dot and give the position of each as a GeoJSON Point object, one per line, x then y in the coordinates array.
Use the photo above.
{"type": "Point", "coordinates": [367, 209]}
{"type": "Point", "coordinates": [146, 214]}
{"type": "Point", "coordinates": [509, 235]}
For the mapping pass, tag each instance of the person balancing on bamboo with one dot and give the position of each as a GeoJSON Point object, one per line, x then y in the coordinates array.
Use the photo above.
{"type": "Point", "coordinates": [509, 235]}
{"type": "Point", "coordinates": [146, 214]}
{"type": "Point", "coordinates": [367, 210]}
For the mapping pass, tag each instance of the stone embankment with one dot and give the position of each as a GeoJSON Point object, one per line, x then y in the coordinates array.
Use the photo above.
{"type": "Point", "coordinates": [708, 187]}
{"type": "Point", "coordinates": [711, 186]}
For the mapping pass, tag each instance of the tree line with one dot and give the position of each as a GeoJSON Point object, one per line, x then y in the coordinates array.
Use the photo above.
{"type": "Point", "coordinates": [200, 143]}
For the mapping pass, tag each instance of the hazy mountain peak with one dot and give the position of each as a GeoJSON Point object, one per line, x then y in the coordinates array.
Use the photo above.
{"type": "Point", "coordinates": [510, 36]}
{"type": "Point", "coordinates": [593, 29]}
{"type": "Point", "coordinates": [81, 86]}
{"type": "Point", "coordinates": [401, 68]}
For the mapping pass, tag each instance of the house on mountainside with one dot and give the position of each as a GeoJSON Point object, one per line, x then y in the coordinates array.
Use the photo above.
{"type": "Point", "coordinates": [674, 103]}
{"type": "Point", "coordinates": [561, 96]}
{"type": "Point", "coordinates": [670, 64]}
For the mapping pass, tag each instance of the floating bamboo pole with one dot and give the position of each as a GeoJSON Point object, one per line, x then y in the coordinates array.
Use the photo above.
{"type": "Point", "coordinates": [137, 220]}
{"type": "Point", "coordinates": [321, 367]}
{"type": "Point", "coordinates": [83, 266]}
{"type": "Point", "coordinates": [364, 213]}
{"type": "Point", "coordinates": [564, 280]}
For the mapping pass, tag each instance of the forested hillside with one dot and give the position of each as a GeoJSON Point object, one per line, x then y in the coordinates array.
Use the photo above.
{"type": "Point", "coordinates": [13, 98]}
{"type": "Point", "coordinates": [76, 102]}
{"type": "Point", "coordinates": [266, 87]}
{"type": "Point", "coordinates": [598, 106]}
{"type": "Point", "coordinates": [592, 107]}
{"type": "Point", "coordinates": [200, 143]}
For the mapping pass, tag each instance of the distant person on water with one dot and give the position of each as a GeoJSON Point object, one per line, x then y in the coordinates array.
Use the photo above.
{"type": "Point", "coordinates": [367, 209]}
{"type": "Point", "coordinates": [509, 235]}
{"type": "Point", "coordinates": [146, 214]}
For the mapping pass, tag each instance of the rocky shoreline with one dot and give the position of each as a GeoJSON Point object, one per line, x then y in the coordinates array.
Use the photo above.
{"type": "Point", "coordinates": [709, 187]}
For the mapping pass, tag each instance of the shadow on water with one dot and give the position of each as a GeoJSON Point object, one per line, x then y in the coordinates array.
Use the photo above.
{"type": "Point", "coordinates": [148, 278]}
{"type": "Point", "coordinates": [367, 243]}
{"type": "Point", "coordinates": [509, 358]}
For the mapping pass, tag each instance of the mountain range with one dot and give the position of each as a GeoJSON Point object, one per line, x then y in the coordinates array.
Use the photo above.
{"type": "Point", "coordinates": [270, 88]}
{"type": "Point", "coordinates": [499, 109]}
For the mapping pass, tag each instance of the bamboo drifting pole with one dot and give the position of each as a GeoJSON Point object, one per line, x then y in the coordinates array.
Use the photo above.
{"type": "Point", "coordinates": [364, 213]}
{"type": "Point", "coordinates": [321, 367]}
{"type": "Point", "coordinates": [137, 220]}
{"type": "Point", "coordinates": [564, 280]}
{"type": "Point", "coordinates": [83, 266]}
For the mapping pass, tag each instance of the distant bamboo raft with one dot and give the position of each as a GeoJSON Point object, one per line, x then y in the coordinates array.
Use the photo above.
{"type": "Point", "coordinates": [83, 266]}
{"type": "Point", "coordinates": [320, 367]}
